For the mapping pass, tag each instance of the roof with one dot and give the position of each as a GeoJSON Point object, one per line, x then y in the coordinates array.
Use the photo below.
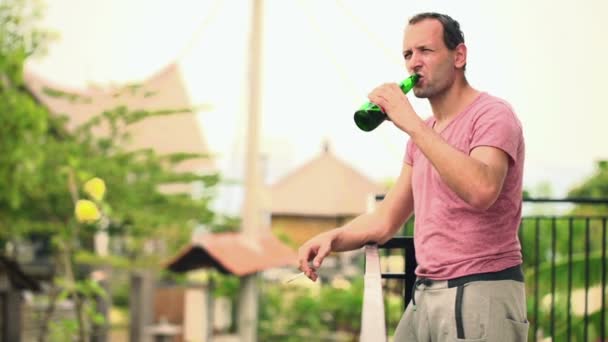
{"type": "Point", "coordinates": [162, 91]}
{"type": "Point", "coordinates": [16, 275]}
{"type": "Point", "coordinates": [234, 253]}
{"type": "Point", "coordinates": [325, 186]}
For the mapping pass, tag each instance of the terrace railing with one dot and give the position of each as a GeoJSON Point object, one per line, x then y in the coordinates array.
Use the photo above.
{"type": "Point", "coordinates": [564, 263]}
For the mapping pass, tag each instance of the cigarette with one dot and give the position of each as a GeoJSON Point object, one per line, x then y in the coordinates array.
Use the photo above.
{"type": "Point", "coordinates": [299, 274]}
{"type": "Point", "coordinates": [294, 278]}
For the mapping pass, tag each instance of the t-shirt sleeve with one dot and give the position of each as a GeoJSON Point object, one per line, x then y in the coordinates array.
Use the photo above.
{"type": "Point", "coordinates": [498, 127]}
{"type": "Point", "coordinates": [408, 158]}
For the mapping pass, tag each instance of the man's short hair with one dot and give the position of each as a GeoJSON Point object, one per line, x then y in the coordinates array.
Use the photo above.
{"type": "Point", "coordinates": [452, 35]}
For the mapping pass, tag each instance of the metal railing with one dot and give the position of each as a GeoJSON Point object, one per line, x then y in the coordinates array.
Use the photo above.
{"type": "Point", "coordinates": [565, 268]}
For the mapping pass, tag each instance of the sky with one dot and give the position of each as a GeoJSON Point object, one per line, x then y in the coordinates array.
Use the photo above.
{"type": "Point", "coordinates": [322, 57]}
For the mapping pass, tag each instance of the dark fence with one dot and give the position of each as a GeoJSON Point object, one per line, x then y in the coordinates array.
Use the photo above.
{"type": "Point", "coordinates": [564, 251]}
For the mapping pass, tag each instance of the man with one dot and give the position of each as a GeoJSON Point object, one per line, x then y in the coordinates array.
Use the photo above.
{"type": "Point", "coordinates": [462, 177]}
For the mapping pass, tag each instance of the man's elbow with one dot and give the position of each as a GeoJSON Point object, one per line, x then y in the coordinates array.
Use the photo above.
{"type": "Point", "coordinates": [385, 232]}
{"type": "Point", "coordinates": [384, 239]}
{"type": "Point", "coordinates": [484, 197]}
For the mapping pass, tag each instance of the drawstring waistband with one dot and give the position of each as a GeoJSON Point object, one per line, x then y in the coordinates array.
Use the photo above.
{"type": "Point", "coordinates": [418, 282]}
{"type": "Point", "coordinates": [511, 273]}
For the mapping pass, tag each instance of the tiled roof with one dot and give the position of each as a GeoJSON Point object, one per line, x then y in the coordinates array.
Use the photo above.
{"type": "Point", "coordinates": [17, 277]}
{"type": "Point", "coordinates": [234, 253]}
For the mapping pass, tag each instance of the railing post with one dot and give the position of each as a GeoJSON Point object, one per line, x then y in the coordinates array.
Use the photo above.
{"type": "Point", "coordinates": [373, 322]}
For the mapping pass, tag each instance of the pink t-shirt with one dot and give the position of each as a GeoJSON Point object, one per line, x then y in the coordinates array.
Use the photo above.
{"type": "Point", "coordinates": [452, 238]}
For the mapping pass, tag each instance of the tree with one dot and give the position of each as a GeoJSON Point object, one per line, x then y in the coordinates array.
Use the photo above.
{"type": "Point", "coordinates": [596, 186]}
{"type": "Point", "coordinates": [24, 125]}
{"type": "Point", "coordinates": [43, 167]}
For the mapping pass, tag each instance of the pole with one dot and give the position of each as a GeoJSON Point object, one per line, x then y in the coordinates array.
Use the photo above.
{"type": "Point", "coordinates": [248, 298]}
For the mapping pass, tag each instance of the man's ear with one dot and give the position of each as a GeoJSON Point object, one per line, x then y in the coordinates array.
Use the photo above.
{"type": "Point", "coordinates": [460, 56]}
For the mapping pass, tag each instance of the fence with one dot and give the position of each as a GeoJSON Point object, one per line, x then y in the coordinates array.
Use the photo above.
{"type": "Point", "coordinates": [564, 264]}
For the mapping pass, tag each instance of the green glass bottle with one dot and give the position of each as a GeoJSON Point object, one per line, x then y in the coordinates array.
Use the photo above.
{"type": "Point", "coordinates": [370, 116]}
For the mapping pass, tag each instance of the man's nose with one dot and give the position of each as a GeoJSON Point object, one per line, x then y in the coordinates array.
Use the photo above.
{"type": "Point", "coordinates": [415, 63]}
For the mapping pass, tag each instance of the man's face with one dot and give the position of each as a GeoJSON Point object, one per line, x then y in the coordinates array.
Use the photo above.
{"type": "Point", "coordinates": [425, 53]}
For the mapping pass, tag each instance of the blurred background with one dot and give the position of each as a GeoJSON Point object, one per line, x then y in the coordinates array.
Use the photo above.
{"type": "Point", "coordinates": [162, 161]}
{"type": "Point", "coordinates": [321, 59]}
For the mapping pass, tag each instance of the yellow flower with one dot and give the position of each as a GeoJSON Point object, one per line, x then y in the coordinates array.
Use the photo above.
{"type": "Point", "coordinates": [86, 211]}
{"type": "Point", "coordinates": [96, 188]}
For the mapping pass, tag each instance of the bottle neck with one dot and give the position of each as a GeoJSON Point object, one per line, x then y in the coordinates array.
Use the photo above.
{"type": "Point", "coordinates": [409, 83]}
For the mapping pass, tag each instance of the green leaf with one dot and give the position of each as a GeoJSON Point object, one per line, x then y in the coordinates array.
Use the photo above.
{"type": "Point", "coordinates": [63, 295]}
{"type": "Point", "coordinates": [98, 319]}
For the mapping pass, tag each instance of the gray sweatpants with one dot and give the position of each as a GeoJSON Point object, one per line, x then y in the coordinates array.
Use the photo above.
{"type": "Point", "coordinates": [492, 311]}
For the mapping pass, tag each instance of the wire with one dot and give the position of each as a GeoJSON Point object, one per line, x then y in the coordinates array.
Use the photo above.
{"type": "Point", "coordinates": [343, 74]}
{"type": "Point", "coordinates": [203, 25]}
{"type": "Point", "coordinates": [373, 37]}
{"type": "Point", "coordinates": [334, 60]}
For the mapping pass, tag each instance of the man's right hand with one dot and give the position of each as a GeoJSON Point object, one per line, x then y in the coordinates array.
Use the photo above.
{"type": "Point", "coordinates": [313, 251]}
